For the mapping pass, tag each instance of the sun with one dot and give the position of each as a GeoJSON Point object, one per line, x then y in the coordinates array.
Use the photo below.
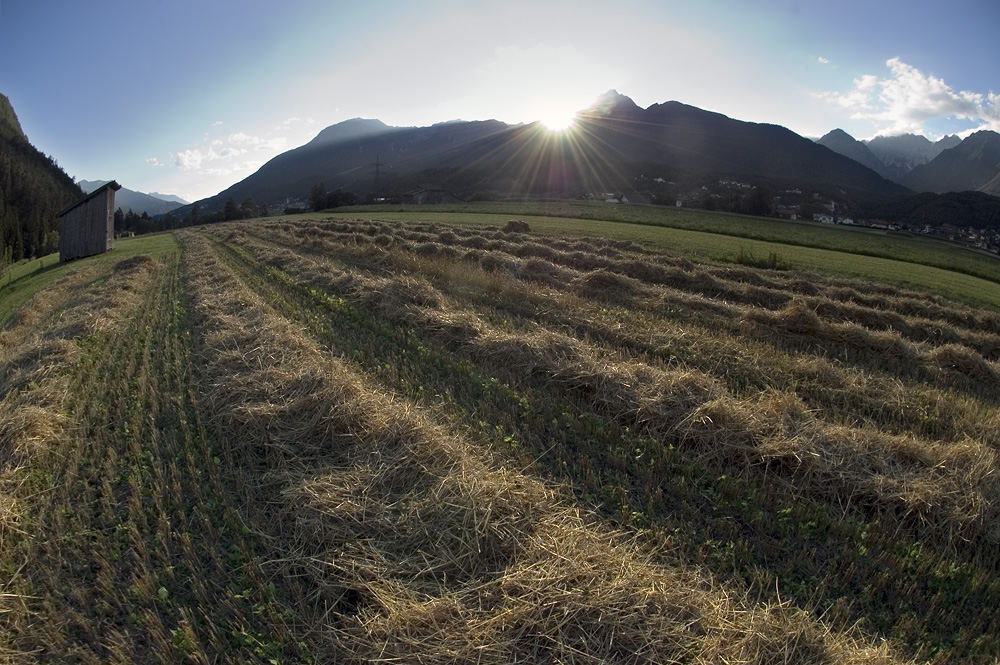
{"type": "Point", "coordinates": [557, 120]}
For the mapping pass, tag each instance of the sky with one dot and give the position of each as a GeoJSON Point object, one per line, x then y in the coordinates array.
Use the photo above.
{"type": "Point", "coordinates": [188, 97]}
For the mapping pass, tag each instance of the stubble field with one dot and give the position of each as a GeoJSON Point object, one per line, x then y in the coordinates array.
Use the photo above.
{"type": "Point", "coordinates": [366, 441]}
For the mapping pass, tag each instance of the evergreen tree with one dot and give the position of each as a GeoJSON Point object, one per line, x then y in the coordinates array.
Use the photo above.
{"type": "Point", "coordinates": [317, 197]}
{"type": "Point", "coordinates": [33, 189]}
{"type": "Point", "coordinates": [230, 211]}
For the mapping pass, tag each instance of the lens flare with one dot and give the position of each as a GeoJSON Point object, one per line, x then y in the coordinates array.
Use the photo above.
{"type": "Point", "coordinates": [557, 120]}
{"type": "Point", "coordinates": [558, 123]}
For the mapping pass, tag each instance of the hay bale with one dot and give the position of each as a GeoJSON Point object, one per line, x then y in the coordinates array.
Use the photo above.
{"type": "Point", "coordinates": [426, 249]}
{"type": "Point", "coordinates": [497, 263]}
{"type": "Point", "coordinates": [546, 272]}
{"type": "Point", "coordinates": [517, 226]}
{"type": "Point", "coordinates": [965, 362]}
{"type": "Point", "coordinates": [607, 286]}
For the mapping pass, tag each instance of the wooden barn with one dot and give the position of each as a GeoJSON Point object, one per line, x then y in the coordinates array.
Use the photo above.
{"type": "Point", "coordinates": [88, 226]}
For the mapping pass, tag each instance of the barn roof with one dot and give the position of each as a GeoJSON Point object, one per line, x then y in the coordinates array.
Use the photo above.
{"type": "Point", "coordinates": [112, 184]}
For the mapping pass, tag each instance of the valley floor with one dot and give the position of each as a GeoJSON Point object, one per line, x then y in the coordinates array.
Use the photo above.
{"type": "Point", "coordinates": [335, 440]}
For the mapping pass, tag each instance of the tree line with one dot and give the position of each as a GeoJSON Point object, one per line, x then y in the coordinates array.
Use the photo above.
{"type": "Point", "coordinates": [33, 190]}
{"type": "Point", "coordinates": [133, 222]}
{"type": "Point", "coordinates": [320, 199]}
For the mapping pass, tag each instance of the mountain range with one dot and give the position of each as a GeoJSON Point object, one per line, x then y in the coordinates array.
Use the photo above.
{"type": "Point", "coordinates": [902, 153]}
{"type": "Point", "coordinates": [973, 164]}
{"type": "Point", "coordinates": [662, 153]}
{"type": "Point", "coordinates": [948, 165]}
{"type": "Point", "coordinates": [615, 146]}
{"type": "Point", "coordinates": [137, 202]}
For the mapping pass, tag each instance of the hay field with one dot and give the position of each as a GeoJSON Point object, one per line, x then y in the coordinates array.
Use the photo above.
{"type": "Point", "coordinates": [356, 441]}
{"type": "Point", "coordinates": [958, 274]}
{"type": "Point", "coordinates": [857, 240]}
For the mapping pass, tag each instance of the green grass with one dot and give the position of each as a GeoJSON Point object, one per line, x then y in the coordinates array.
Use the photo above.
{"type": "Point", "coordinates": [28, 277]}
{"type": "Point", "coordinates": [750, 529]}
{"type": "Point", "coordinates": [261, 441]}
{"type": "Point", "coordinates": [717, 247]}
{"type": "Point", "coordinates": [855, 240]}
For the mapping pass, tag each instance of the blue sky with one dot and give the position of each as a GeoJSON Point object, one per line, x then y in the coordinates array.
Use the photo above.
{"type": "Point", "coordinates": [189, 97]}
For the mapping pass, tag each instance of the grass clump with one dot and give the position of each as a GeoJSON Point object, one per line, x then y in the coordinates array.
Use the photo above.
{"type": "Point", "coordinates": [774, 261]}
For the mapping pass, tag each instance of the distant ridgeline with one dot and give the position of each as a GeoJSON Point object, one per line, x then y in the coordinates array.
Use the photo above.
{"type": "Point", "coordinates": [620, 152]}
{"type": "Point", "coordinates": [33, 189]}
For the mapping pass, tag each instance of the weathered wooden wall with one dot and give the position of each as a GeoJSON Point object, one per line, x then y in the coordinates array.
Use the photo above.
{"type": "Point", "coordinates": [89, 228]}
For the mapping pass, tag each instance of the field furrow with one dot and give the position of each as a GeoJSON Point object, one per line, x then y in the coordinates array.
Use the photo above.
{"type": "Point", "coordinates": [424, 546]}
{"type": "Point", "coordinates": [358, 440]}
{"type": "Point", "coordinates": [541, 408]}
{"type": "Point", "coordinates": [137, 551]}
{"type": "Point", "coordinates": [674, 333]}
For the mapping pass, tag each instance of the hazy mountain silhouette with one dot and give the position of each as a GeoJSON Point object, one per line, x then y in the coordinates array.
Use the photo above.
{"type": "Point", "coordinates": [843, 143]}
{"type": "Point", "coordinates": [973, 164]}
{"type": "Point", "coordinates": [613, 143]}
{"type": "Point", "coordinates": [903, 153]}
{"type": "Point", "coordinates": [137, 202]}
{"type": "Point", "coordinates": [172, 198]}
{"type": "Point", "coordinates": [344, 156]}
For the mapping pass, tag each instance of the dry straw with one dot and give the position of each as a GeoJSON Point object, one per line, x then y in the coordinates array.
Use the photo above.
{"type": "Point", "coordinates": [39, 353]}
{"type": "Point", "coordinates": [421, 548]}
{"type": "Point", "coordinates": [947, 490]}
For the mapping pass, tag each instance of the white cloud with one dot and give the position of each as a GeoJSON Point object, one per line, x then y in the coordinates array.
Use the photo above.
{"type": "Point", "coordinates": [189, 160]}
{"type": "Point", "coordinates": [218, 156]}
{"type": "Point", "coordinates": [216, 123]}
{"type": "Point", "coordinates": [153, 161]}
{"type": "Point", "coordinates": [274, 143]}
{"type": "Point", "coordinates": [906, 99]}
{"type": "Point", "coordinates": [214, 160]}
{"type": "Point", "coordinates": [823, 61]}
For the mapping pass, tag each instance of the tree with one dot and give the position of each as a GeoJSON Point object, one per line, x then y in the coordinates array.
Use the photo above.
{"type": "Point", "coordinates": [317, 197]}
{"type": "Point", "coordinates": [340, 197]}
{"type": "Point", "coordinates": [230, 211]}
{"type": "Point", "coordinates": [247, 208]}
{"type": "Point", "coordinates": [758, 203]}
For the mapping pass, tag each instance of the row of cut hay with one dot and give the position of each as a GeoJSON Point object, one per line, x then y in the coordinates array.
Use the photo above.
{"type": "Point", "coordinates": [745, 285]}
{"type": "Point", "coordinates": [37, 361]}
{"type": "Point", "coordinates": [36, 309]}
{"type": "Point", "coordinates": [956, 365]}
{"type": "Point", "coordinates": [952, 364]}
{"type": "Point", "coordinates": [470, 238]}
{"type": "Point", "coordinates": [737, 285]}
{"type": "Point", "coordinates": [960, 366]}
{"type": "Point", "coordinates": [840, 391]}
{"type": "Point", "coordinates": [422, 549]}
{"type": "Point", "coordinates": [922, 306]}
{"type": "Point", "coordinates": [34, 383]}
{"type": "Point", "coordinates": [914, 328]}
{"type": "Point", "coordinates": [948, 486]}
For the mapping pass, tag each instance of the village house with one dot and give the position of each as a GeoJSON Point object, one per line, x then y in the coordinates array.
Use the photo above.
{"type": "Point", "coordinates": [88, 226]}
